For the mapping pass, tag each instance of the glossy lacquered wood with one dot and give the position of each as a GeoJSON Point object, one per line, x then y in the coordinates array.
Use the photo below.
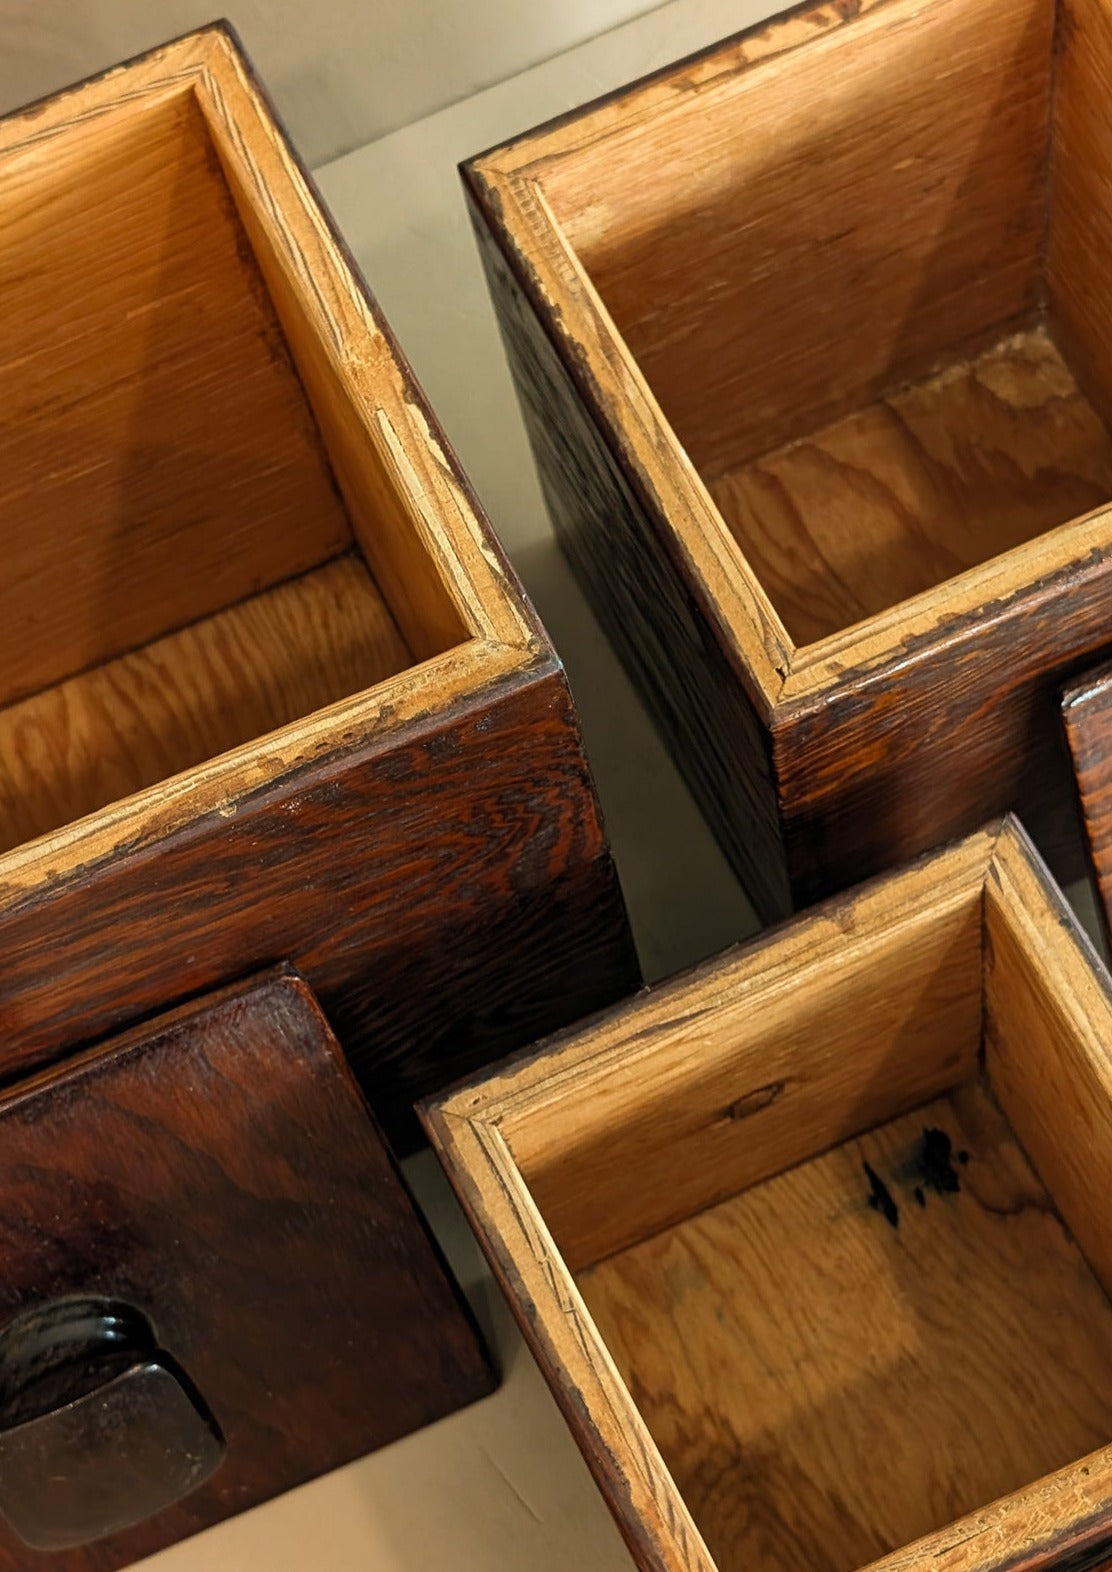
{"type": "Point", "coordinates": [810, 1242]}
{"type": "Point", "coordinates": [813, 344]}
{"type": "Point", "coordinates": [217, 1173]}
{"type": "Point", "coordinates": [270, 690]}
{"type": "Point", "coordinates": [1087, 716]}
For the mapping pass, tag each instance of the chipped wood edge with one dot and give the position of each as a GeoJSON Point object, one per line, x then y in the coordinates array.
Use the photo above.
{"type": "Point", "coordinates": [1063, 1516]}
{"type": "Point", "coordinates": [506, 638]}
{"type": "Point", "coordinates": [508, 184]}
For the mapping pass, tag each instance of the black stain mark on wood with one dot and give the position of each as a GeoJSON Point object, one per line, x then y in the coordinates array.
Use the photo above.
{"type": "Point", "coordinates": [934, 1163]}
{"type": "Point", "coordinates": [880, 1197]}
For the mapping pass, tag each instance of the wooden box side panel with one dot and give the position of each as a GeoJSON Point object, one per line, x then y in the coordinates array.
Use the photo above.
{"type": "Point", "coordinates": [898, 760]}
{"type": "Point", "coordinates": [640, 597]}
{"type": "Point", "coordinates": [779, 244]}
{"type": "Point", "coordinates": [158, 458]}
{"type": "Point", "coordinates": [446, 888]}
{"type": "Point", "coordinates": [1048, 1027]}
{"type": "Point", "coordinates": [1079, 298]}
{"type": "Point", "coordinates": [862, 1010]}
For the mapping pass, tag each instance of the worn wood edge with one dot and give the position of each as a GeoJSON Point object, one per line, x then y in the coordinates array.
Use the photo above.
{"type": "Point", "coordinates": [526, 1083]}
{"type": "Point", "coordinates": [506, 184]}
{"type": "Point", "coordinates": [380, 718]}
{"type": "Point", "coordinates": [1063, 1519]}
{"type": "Point", "coordinates": [615, 1442]}
{"type": "Point", "coordinates": [394, 416]}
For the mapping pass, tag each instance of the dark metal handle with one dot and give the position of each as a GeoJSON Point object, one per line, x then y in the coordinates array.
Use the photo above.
{"type": "Point", "coordinates": [99, 1427]}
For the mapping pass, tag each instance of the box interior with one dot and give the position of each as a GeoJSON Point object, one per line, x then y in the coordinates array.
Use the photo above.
{"type": "Point", "coordinates": [867, 1295]}
{"type": "Point", "coordinates": [863, 279]}
{"type": "Point", "coordinates": [195, 551]}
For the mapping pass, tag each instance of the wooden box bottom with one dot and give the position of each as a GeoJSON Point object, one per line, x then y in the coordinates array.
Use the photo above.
{"type": "Point", "coordinates": [937, 476]}
{"type": "Point", "coordinates": [854, 1353]}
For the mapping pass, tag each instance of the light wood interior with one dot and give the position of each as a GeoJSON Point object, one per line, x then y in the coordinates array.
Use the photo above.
{"type": "Point", "coordinates": [184, 569]}
{"type": "Point", "coordinates": [825, 1385]}
{"type": "Point", "coordinates": [864, 280]}
{"type": "Point", "coordinates": [837, 1211]}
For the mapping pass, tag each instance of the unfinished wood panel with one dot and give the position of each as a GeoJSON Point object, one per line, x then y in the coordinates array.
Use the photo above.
{"type": "Point", "coordinates": [158, 459]}
{"type": "Point", "coordinates": [197, 693]}
{"type": "Point", "coordinates": [383, 485]}
{"type": "Point", "coordinates": [928, 481]}
{"type": "Point", "coordinates": [787, 241]}
{"type": "Point", "coordinates": [1079, 291]}
{"type": "Point", "coordinates": [828, 1379]}
{"type": "Point", "coordinates": [759, 1061]}
{"type": "Point", "coordinates": [1048, 1031]}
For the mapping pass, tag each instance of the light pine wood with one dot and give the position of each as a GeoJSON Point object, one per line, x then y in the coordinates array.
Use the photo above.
{"type": "Point", "coordinates": [787, 242]}
{"type": "Point", "coordinates": [825, 1387]}
{"type": "Point", "coordinates": [1079, 295]}
{"type": "Point", "coordinates": [789, 1049]}
{"type": "Point", "coordinates": [158, 459]}
{"type": "Point", "coordinates": [919, 486]}
{"type": "Point", "coordinates": [1048, 1046]}
{"type": "Point", "coordinates": [185, 699]}
{"type": "Point", "coordinates": [825, 1383]}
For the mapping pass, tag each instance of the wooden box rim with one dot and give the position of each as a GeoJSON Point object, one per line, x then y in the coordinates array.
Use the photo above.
{"type": "Point", "coordinates": [1063, 1517]}
{"type": "Point", "coordinates": [505, 638]}
{"type": "Point", "coordinates": [782, 679]}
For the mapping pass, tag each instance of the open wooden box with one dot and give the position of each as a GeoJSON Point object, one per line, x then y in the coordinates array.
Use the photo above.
{"type": "Point", "coordinates": [813, 1243]}
{"type": "Point", "coordinates": [814, 337]}
{"type": "Point", "coordinates": [269, 691]}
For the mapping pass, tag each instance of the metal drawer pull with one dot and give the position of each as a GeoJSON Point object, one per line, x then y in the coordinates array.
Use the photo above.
{"type": "Point", "coordinates": [99, 1427]}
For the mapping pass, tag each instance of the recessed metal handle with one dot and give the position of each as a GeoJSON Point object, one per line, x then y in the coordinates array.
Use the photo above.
{"type": "Point", "coordinates": [99, 1427]}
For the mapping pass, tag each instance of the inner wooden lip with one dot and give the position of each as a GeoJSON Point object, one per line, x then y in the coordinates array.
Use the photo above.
{"type": "Point", "coordinates": [865, 292]}
{"type": "Point", "coordinates": [198, 553]}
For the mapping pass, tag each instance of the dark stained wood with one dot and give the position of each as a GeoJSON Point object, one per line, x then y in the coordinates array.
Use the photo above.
{"type": "Point", "coordinates": [218, 1172]}
{"type": "Point", "coordinates": [904, 438]}
{"type": "Point", "coordinates": [1087, 716]}
{"type": "Point", "coordinates": [439, 886]}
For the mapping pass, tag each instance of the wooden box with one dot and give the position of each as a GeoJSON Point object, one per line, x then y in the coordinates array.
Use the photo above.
{"type": "Point", "coordinates": [269, 690]}
{"type": "Point", "coordinates": [813, 1243]}
{"type": "Point", "coordinates": [213, 1284]}
{"type": "Point", "coordinates": [1087, 715]}
{"type": "Point", "coordinates": [813, 333]}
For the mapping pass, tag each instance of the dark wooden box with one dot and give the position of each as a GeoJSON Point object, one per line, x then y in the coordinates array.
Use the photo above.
{"type": "Point", "coordinates": [814, 337]}
{"type": "Point", "coordinates": [269, 690]}
{"type": "Point", "coordinates": [213, 1284]}
{"type": "Point", "coordinates": [813, 1245]}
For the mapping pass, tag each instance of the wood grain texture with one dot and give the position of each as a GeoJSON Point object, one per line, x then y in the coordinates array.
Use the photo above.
{"type": "Point", "coordinates": [1087, 717]}
{"type": "Point", "coordinates": [159, 459]}
{"type": "Point", "coordinates": [371, 768]}
{"type": "Point", "coordinates": [784, 243]}
{"type": "Point", "coordinates": [919, 486]}
{"type": "Point", "coordinates": [438, 884]}
{"type": "Point", "coordinates": [183, 699]}
{"type": "Point", "coordinates": [926, 697]}
{"type": "Point", "coordinates": [826, 1387]}
{"type": "Point", "coordinates": [923, 1306]}
{"type": "Point", "coordinates": [218, 1170]}
{"type": "Point", "coordinates": [666, 637]}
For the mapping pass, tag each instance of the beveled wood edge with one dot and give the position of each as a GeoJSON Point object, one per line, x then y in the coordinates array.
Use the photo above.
{"type": "Point", "coordinates": [507, 636]}
{"type": "Point", "coordinates": [461, 678]}
{"type": "Point", "coordinates": [1067, 1514]}
{"type": "Point", "coordinates": [507, 183]}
